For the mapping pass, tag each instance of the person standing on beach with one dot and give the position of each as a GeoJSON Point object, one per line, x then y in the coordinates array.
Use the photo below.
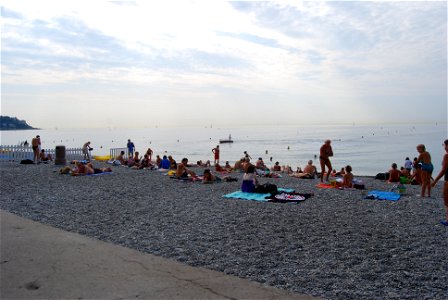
{"type": "Point", "coordinates": [86, 151]}
{"type": "Point", "coordinates": [408, 165]}
{"type": "Point", "coordinates": [35, 143]}
{"type": "Point", "coordinates": [444, 172]}
{"type": "Point", "coordinates": [247, 156]}
{"type": "Point", "coordinates": [131, 148]}
{"type": "Point", "coordinates": [325, 153]}
{"type": "Point", "coordinates": [216, 153]}
{"type": "Point", "coordinates": [149, 152]}
{"type": "Point", "coordinates": [424, 160]}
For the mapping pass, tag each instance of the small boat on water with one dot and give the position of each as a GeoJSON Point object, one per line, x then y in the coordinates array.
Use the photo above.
{"type": "Point", "coordinates": [229, 140]}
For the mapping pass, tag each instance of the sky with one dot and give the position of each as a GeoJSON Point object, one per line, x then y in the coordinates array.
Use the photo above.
{"type": "Point", "coordinates": [89, 64]}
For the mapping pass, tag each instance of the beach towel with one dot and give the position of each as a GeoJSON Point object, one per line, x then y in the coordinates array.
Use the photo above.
{"type": "Point", "coordinates": [326, 186]}
{"type": "Point", "coordinates": [254, 196]}
{"type": "Point", "coordinates": [383, 195]}
{"type": "Point", "coordinates": [284, 197]}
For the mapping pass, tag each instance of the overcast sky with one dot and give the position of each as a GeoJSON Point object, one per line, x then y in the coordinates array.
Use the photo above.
{"type": "Point", "coordinates": [147, 63]}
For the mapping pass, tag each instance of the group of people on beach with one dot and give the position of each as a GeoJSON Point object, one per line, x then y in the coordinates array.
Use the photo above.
{"type": "Point", "coordinates": [417, 172]}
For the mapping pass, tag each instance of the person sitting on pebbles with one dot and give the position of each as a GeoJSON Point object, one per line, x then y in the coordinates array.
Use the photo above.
{"type": "Point", "coordinates": [276, 167]}
{"type": "Point", "coordinates": [45, 157]}
{"type": "Point", "coordinates": [182, 170]}
{"type": "Point", "coordinates": [394, 173]}
{"type": "Point", "coordinates": [209, 177]}
{"type": "Point", "coordinates": [347, 179]}
{"type": "Point", "coordinates": [228, 167]}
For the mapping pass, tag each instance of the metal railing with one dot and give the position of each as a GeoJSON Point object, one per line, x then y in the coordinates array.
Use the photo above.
{"type": "Point", "coordinates": [18, 153]}
{"type": "Point", "coordinates": [114, 152]}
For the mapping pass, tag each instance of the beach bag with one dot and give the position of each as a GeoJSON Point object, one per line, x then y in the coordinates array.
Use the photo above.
{"type": "Point", "coordinates": [382, 176]}
{"type": "Point", "coordinates": [266, 188]}
{"type": "Point", "coordinates": [26, 162]}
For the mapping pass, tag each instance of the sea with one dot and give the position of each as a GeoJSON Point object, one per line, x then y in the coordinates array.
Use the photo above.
{"type": "Point", "coordinates": [368, 148]}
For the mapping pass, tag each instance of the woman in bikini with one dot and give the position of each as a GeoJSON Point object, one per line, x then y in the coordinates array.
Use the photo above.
{"type": "Point", "coordinates": [425, 161]}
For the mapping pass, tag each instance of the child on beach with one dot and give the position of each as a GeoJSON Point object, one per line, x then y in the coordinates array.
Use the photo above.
{"type": "Point", "coordinates": [249, 180]}
{"type": "Point", "coordinates": [444, 172]}
{"type": "Point", "coordinates": [394, 174]}
{"type": "Point", "coordinates": [425, 161]}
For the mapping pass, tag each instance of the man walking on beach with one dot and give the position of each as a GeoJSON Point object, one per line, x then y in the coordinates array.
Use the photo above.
{"type": "Point", "coordinates": [216, 152]}
{"type": "Point", "coordinates": [35, 143]}
{"type": "Point", "coordinates": [325, 153]}
{"type": "Point", "coordinates": [131, 148]}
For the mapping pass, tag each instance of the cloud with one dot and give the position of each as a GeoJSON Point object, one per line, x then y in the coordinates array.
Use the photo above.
{"type": "Point", "coordinates": [305, 55]}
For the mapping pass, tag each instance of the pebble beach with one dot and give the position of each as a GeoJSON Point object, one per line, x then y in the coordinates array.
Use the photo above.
{"type": "Point", "coordinates": [334, 245]}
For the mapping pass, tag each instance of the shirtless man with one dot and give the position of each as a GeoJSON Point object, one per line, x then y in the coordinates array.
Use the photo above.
{"type": "Point", "coordinates": [325, 153]}
{"type": "Point", "coordinates": [182, 170]}
{"type": "Point", "coordinates": [45, 157]}
{"type": "Point", "coordinates": [310, 169]}
{"type": "Point", "coordinates": [35, 143]}
{"type": "Point", "coordinates": [120, 158]}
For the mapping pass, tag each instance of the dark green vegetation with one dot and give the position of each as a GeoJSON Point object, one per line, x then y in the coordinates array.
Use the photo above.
{"type": "Point", "coordinates": [12, 123]}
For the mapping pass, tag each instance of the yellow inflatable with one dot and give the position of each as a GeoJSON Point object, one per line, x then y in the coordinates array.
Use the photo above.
{"type": "Point", "coordinates": [101, 158]}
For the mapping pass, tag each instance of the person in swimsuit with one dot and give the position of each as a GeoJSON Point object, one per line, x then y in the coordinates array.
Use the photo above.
{"type": "Point", "coordinates": [182, 170]}
{"type": "Point", "coordinates": [444, 172]}
{"type": "Point", "coordinates": [325, 153]}
{"type": "Point", "coordinates": [35, 143]}
{"type": "Point", "coordinates": [150, 153]}
{"type": "Point", "coordinates": [394, 174]}
{"type": "Point", "coordinates": [216, 154]}
{"type": "Point", "coordinates": [44, 157]}
{"type": "Point", "coordinates": [425, 161]}
{"type": "Point", "coordinates": [249, 180]}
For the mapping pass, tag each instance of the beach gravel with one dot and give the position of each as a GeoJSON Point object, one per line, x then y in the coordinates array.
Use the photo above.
{"type": "Point", "coordinates": [335, 245]}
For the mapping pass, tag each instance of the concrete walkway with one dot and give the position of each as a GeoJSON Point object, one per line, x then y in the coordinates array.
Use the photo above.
{"type": "Point", "coordinates": [39, 261]}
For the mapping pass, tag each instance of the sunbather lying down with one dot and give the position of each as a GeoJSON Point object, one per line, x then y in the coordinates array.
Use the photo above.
{"type": "Point", "coordinates": [210, 178]}
{"type": "Point", "coordinates": [83, 169]}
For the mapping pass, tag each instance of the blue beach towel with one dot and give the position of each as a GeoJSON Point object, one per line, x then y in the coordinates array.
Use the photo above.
{"type": "Point", "coordinates": [383, 195]}
{"type": "Point", "coordinates": [254, 196]}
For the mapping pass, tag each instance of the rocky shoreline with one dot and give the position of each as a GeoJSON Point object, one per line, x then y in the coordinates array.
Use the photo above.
{"type": "Point", "coordinates": [335, 245]}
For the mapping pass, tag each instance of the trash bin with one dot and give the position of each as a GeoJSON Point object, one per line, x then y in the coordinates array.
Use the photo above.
{"type": "Point", "coordinates": [60, 155]}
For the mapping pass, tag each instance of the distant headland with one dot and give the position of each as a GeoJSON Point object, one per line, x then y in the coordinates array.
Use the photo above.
{"type": "Point", "coordinates": [12, 123]}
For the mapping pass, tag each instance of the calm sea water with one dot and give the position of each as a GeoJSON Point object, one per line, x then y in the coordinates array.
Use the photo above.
{"type": "Point", "coordinates": [369, 149]}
